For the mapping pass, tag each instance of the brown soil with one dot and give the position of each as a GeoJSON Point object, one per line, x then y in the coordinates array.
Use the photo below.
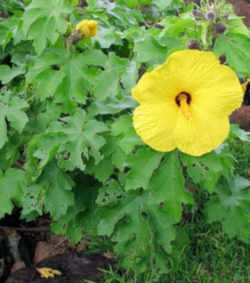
{"type": "Point", "coordinates": [73, 268]}
{"type": "Point", "coordinates": [242, 8]}
{"type": "Point", "coordinates": [27, 246]}
{"type": "Point", "coordinates": [241, 116]}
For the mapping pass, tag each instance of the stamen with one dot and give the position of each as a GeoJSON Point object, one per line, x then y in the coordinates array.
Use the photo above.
{"type": "Point", "coordinates": [183, 102]}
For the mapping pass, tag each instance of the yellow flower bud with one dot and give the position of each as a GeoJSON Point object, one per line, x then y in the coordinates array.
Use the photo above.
{"type": "Point", "coordinates": [87, 28]}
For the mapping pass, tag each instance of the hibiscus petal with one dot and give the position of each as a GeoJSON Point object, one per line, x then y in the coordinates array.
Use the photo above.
{"type": "Point", "coordinates": [155, 124]}
{"type": "Point", "coordinates": [221, 94]}
{"type": "Point", "coordinates": [201, 134]}
{"type": "Point", "coordinates": [157, 86]}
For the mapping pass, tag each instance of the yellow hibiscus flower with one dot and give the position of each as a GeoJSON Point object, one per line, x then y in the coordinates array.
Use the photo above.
{"type": "Point", "coordinates": [87, 28]}
{"type": "Point", "coordinates": [186, 102]}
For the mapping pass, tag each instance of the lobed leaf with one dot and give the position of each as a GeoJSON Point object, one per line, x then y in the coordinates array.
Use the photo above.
{"type": "Point", "coordinates": [231, 207]}
{"type": "Point", "coordinates": [43, 22]}
{"type": "Point", "coordinates": [142, 232]}
{"type": "Point", "coordinates": [167, 187]}
{"type": "Point", "coordinates": [12, 110]}
{"type": "Point", "coordinates": [236, 48]}
{"type": "Point", "coordinates": [11, 189]}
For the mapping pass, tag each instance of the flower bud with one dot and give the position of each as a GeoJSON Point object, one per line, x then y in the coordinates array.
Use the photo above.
{"type": "Point", "coordinates": [159, 26]}
{"type": "Point", "coordinates": [87, 28]}
{"type": "Point", "coordinates": [220, 28]}
{"type": "Point", "coordinates": [192, 1]}
{"type": "Point", "coordinates": [226, 13]}
{"type": "Point", "coordinates": [210, 16]}
{"type": "Point", "coordinates": [197, 14]}
{"type": "Point", "coordinates": [194, 44]}
{"type": "Point", "coordinates": [76, 37]}
{"type": "Point", "coordinates": [222, 58]}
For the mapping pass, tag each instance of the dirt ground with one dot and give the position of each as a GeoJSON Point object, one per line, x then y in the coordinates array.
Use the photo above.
{"type": "Point", "coordinates": [27, 247]}
{"type": "Point", "coordinates": [242, 8]}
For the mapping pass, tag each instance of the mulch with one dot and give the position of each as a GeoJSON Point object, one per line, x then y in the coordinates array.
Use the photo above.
{"type": "Point", "coordinates": [72, 266]}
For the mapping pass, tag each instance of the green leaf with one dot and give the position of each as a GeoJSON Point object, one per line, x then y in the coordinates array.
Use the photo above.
{"type": "Point", "coordinates": [128, 139]}
{"type": "Point", "coordinates": [137, 3]}
{"type": "Point", "coordinates": [12, 109]}
{"type": "Point", "coordinates": [41, 150]}
{"type": "Point", "coordinates": [32, 202]}
{"type": "Point", "coordinates": [130, 76]}
{"type": "Point", "coordinates": [11, 186]}
{"type": "Point", "coordinates": [179, 30]}
{"type": "Point", "coordinates": [108, 36]}
{"type": "Point", "coordinates": [9, 153]}
{"type": "Point", "coordinates": [43, 21]}
{"type": "Point", "coordinates": [47, 82]}
{"type": "Point", "coordinates": [58, 185]}
{"type": "Point", "coordinates": [51, 194]}
{"type": "Point", "coordinates": [236, 48]}
{"type": "Point", "coordinates": [148, 49]}
{"type": "Point", "coordinates": [3, 130]}
{"type": "Point", "coordinates": [9, 28]}
{"type": "Point", "coordinates": [93, 57]}
{"type": "Point", "coordinates": [110, 194]}
{"type": "Point", "coordinates": [167, 187]}
{"type": "Point", "coordinates": [112, 106]}
{"type": "Point", "coordinates": [107, 83]}
{"type": "Point", "coordinates": [70, 224]}
{"type": "Point", "coordinates": [162, 4]}
{"type": "Point", "coordinates": [206, 170]}
{"type": "Point", "coordinates": [104, 168]}
{"type": "Point", "coordinates": [71, 140]}
{"type": "Point", "coordinates": [74, 83]}
{"type": "Point", "coordinates": [231, 207]}
{"type": "Point", "coordinates": [80, 215]}
{"type": "Point", "coordinates": [236, 25]}
{"type": "Point", "coordinates": [142, 165]}
{"type": "Point", "coordinates": [142, 232]}
{"type": "Point", "coordinates": [72, 78]}
{"type": "Point", "coordinates": [237, 132]}
{"type": "Point", "coordinates": [141, 222]}
{"type": "Point", "coordinates": [7, 74]}
{"type": "Point", "coordinates": [15, 113]}
{"type": "Point", "coordinates": [112, 157]}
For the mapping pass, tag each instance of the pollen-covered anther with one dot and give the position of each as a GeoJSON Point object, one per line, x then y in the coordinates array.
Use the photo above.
{"type": "Point", "coordinates": [183, 101]}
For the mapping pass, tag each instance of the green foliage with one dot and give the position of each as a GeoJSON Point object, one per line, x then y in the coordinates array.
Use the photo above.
{"type": "Point", "coordinates": [205, 171]}
{"type": "Point", "coordinates": [148, 49]}
{"type": "Point", "coordinates": [59, 74]}
{"type": "Point", "coordinates": [43, 21]}
{"type": "Point", "coordinates": [142, 231]}
{"type": "Point", "coordinates": [12, 110]}
{"type": "Point", "coordinates": [8, 74]}
{"type": "Point", "coordinates": [231, 206]}
{"type": "Point", "coordinates": [11, 189]}
{"type": "Point", "coordinates": [136, 3]}
{"type": "Point", "coordinates": [68, 147]}
{"type": "Point", "coordinates": [208, 256]}
{"type": "Point", "coordinates": [236, 48]}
